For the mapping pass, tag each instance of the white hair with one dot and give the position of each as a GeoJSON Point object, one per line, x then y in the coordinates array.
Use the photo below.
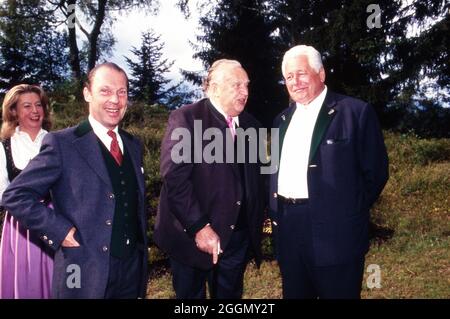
{"type": "Point", "coordinates": [312, 55]}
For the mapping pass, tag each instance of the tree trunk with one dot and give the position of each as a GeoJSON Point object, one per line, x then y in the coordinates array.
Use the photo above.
{"type": "Point", "coordinates": [95, 33]}
{"type": "Point", "coordinates": [74, 52]}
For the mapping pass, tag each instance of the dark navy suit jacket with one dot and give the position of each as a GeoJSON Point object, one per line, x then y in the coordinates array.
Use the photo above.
{"type": "Point", "coordinates": [70, 165]}
{"type": "Point", "coordinates": [348, 168]}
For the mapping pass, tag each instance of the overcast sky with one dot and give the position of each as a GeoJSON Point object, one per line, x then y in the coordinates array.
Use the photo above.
{"type": "Point", "coordinates": [175, 31]}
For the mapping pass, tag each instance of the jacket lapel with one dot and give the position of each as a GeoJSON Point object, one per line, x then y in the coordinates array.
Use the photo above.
{"type": "Point", "coordinates": [326, 114]}
{"type": "Point", "coordinates": [87, 146]}
{"type": "Point", "coordinates": [248, 175]}
{"type": "Point", "coordinates": [134, 155]}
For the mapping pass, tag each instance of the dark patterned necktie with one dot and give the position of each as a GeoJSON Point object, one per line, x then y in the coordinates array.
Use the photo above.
{"type": "Point", "coordinates": [114, 148]}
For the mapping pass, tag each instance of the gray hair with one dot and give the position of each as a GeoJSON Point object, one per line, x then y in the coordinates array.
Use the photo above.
{"type": "Point", "coordinates": [313, 56]}
{"type": "Point", "coordinates": [212, 70]}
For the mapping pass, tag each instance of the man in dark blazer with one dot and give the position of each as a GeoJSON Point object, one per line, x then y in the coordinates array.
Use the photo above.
{"type": "Point", "coordinates": [333, 166]}
{"type": "Point", "coordinates": [95, 177]}
{"type": "Point", "coordinates": [211, 212]}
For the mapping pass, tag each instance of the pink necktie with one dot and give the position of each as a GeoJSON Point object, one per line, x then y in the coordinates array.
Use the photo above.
{"type": "Point", "coordinates": [114, 148]}
{"type": "Point", "coordinates": [231, 126]}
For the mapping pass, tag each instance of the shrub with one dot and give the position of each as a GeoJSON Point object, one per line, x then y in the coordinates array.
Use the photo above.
{"type": "Point", "coordinates": [432, 150]}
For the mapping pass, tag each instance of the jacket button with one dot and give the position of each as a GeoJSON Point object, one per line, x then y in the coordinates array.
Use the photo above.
{"type": "Point", "coordinates": [275, 195]}
{"type": "Point", "coordinates": [44, 237]}
{"type": "Point", "coordinates": [232, 227]}
{"type": "Point", "coordinates": [108, 222]}
{"type": "Point", "coordinates": [238, 203]}
{"type": "Point", "coordinates": [111, 196]}
{"type": "Point", "coordinates": [105, 248]}
{"type": "Point", "coordinates": [50, 242]}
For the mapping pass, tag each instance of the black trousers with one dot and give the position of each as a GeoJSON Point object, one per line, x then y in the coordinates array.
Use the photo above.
{"type": "Point", "coordinates": [300, 277]}
{"type": "Point", "coordinates": [225, 279]}
{"type": "Point", "coordinates": [125, 275]}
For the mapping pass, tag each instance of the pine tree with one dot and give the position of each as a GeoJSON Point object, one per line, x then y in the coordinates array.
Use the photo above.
{"type": "Point", "coordinates": [147, 81]}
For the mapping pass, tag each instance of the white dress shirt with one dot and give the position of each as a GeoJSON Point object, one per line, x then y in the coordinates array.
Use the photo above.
{"type": "Point", "coordinates": [219, 109]}
{"type": "Point", "coordinates": [23, 149]}
{"type": "Point", "coordinates": [102, 133]}
{"type": "Point", "coordinates": [292, 176]}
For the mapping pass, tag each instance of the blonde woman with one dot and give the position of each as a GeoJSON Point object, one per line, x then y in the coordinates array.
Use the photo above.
{"type": "Point", "coordinates": [26, 265]}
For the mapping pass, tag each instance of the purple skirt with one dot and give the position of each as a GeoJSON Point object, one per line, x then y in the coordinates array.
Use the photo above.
{"type": "Point", "coordinates": [26, 264]}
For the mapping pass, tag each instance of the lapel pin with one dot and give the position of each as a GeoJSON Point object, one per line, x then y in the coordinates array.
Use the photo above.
{"type": "Point", "coordinates": [283, 117]}
{"type": "Point", "coordinates": [330, 111]}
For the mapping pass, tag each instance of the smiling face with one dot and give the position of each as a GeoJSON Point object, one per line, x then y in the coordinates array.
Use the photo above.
{"type": "Point", "coordinates": [230, 89]}
{"type": "Point", "coordinates": [30, 113]}
{"type": "Point", "coordinates": [304, 84]}
{"type": "Point", "coordinates": [107, 96]}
